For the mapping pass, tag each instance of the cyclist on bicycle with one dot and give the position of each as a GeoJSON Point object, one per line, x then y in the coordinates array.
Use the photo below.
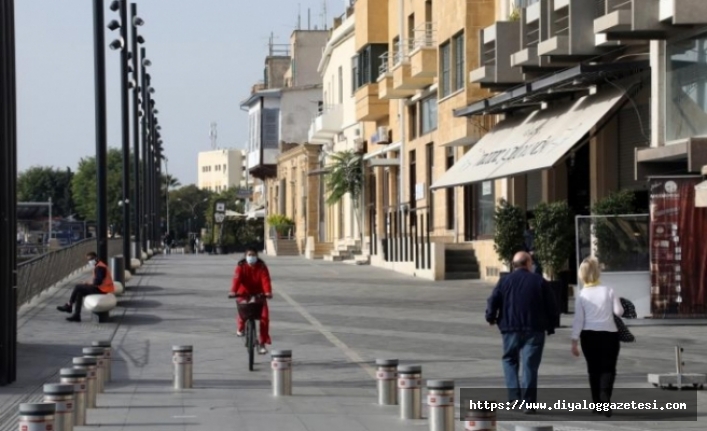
{"type": "Point", "coordinates": [253, 278]}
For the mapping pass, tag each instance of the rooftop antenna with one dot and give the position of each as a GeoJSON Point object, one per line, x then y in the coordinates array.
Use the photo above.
{"type": "Point", "coordinates": [324, 14]}
{"type": "Point", "coordinates": [213, 134]}
{"type": "Point", "coordinates": [299, 16]}
{"type": "Point", "coordinates": [309, 18]}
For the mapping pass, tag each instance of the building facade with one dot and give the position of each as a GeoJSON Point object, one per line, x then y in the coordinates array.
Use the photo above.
{"type": "Point", "coordinates": [219, 170]}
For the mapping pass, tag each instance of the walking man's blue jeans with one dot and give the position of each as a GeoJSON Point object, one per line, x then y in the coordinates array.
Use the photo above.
{"type": "Point", "coordinates": [522, 350]}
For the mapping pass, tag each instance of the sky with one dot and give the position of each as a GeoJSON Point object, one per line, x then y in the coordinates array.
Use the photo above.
{"type": "Point", "coordinates": [206, 55]}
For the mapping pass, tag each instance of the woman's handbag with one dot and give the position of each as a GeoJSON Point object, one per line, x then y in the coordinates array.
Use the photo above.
{"type": "Point", "coordinates": [625, 336]}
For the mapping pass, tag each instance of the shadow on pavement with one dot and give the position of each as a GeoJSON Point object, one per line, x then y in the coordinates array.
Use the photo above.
{"type": "Point", "coordinates": [146, 288]}
{"type": "Point", "coordinates": [139, 303]}
{"type": "Point", "coordinates": [139, 319]}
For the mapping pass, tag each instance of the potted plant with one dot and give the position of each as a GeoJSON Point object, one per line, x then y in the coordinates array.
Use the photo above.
{"type": "Point", "coordinates": [554, 243]}
{"type": "Point", "coordinates": [611, 247]}
{"type": "Point", "coordinates": [509, 235]}
{"type": "Point", "coordinates": [281, 223]}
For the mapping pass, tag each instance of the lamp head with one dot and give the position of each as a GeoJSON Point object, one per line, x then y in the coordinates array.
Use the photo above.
{"type": "Point", "coordinates": [116, 44]}
{"type": "Point", "coordinates": [113, 25]}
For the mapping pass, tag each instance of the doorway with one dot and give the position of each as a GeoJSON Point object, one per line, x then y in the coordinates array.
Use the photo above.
{"type": "Point", "coordinates": [578, 194]}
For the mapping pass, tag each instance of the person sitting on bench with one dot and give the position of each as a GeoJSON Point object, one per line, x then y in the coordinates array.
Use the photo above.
{"type": "Point", "coordinates": [101, 284]}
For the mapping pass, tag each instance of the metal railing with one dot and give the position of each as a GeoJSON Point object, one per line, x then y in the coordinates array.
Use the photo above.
{"type": "Point", "coordinates": [39, 274]}
{"type": "Point", "coordinates": [405, 237]}
{"type": "Point", "coordinates": [425, 36]}
{"type": "Point", "coordinates": [384, 68]}
{"type": "Point", "coordinates": [401, 51]}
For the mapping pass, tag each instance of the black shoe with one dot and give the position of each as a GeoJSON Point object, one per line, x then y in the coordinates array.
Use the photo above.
{"type": "Point", "coordinates": [73, 319]}
{"type": "Point", "coordinates": [66, 308]}
{"type": "Point", "coordinates": [529, 411]}
{"type": "Point", "coordinates": [608, 413]}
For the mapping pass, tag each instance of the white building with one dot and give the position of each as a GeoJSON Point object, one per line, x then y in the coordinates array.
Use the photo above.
{"type": "Point", "coordinates": [222, 169]}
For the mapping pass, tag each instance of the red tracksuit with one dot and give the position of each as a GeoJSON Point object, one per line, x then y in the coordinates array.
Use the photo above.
{"type": "Point", "coordinates": [253, 280]}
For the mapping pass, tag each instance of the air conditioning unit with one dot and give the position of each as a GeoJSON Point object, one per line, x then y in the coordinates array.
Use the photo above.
{"type": "Point", "coordinates": [358, 144]}
{"type": "Point", "coordinates": [383, 135]}
{"type": "Point", "coordinates": [329, 147]}
{"type": "Point", "coordinates": [357, 133]}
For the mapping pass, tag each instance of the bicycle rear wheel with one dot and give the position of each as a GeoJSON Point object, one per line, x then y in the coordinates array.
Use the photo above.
{"type": "Point", "coordinates": [251, 343]}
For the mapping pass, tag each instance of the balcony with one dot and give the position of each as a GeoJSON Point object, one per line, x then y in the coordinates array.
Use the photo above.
{"type": "Point", "coordinates": [402, 69]}
{"type": "Point", "coordinates": [533, 30]}
{"type": "Point", "coordinates": [497, 43]}
{"type": "Point", "coordinates": [683, 12]}
{"type": "Point", "coordinates": [327, 124]}
{"type": "Point", "coordinates": [631, 19]}
{"type": "Point", "coordinates": [570, 34]}
{"type": "Point", "coordinates": [386, 90]}
{"type": "Point", "coordinates": [369, 106]}
{"type": "Point", "coordinates": [423, 58]}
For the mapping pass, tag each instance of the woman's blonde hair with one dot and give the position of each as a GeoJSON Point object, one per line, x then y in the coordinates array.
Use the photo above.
{"type": "Point", "coordinates": [589, 271]}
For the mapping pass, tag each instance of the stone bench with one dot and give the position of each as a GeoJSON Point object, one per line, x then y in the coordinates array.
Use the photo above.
{"type": "Point", "coordinates": [100, 306]}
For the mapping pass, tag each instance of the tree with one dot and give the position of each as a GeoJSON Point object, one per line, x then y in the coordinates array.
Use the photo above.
{"type": "Point", "coordinates": [346, 178]}
{"type": "Point", "coordinates": [39, 183]}
{"type": "Point", "coordinates": [554, 235]}
{"type": "Point", "coordinates": [187, 209]}
{"type": "Point", "coordinates": [170, 182]}
{"type": "Point", "coordinates": [614, 247]}
{"type": "Point", "coordinates": [510, 230]}
{"type": "Point", "coordinates": [83, 187]}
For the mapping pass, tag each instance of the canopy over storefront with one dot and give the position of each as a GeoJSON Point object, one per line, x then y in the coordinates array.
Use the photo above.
{"type": "Point", "coordinates": [531, 142]}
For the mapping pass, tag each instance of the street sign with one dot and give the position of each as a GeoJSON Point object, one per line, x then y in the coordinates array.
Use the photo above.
{"type": "Point", "coordinates": [219, 217]}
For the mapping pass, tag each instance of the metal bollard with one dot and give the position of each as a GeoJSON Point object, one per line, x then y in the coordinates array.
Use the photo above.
{"type": "Point", "coordinates": [387, 376]}
{"type": "Point", "coordinates": [37, 417]}
{"type": "Point", "coordinates": [440, 400]}
{"type": "Point", "coordinates": [63, 396]}
{"type": "Point", "coordinates": [281, 372]}
{"type": "Point", "coordinates": [182, 358]}
{"type": "Point", "coordinates": [107, 356]}
{"type": "Point", "coordinates": [117, 269]}
{"type": "Point", "coordinates": [76, 377]}
{"type": "Point", "coordinates": [409, 391]}
{"type": "Point", "coordinates": [480, 420]}
{"type": "Point", "coordinates": [98, 353]}
{"type": "Point", "coordinates": [90, 365]}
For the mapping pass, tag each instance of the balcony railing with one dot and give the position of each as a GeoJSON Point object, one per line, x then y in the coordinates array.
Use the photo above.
{"type": "Point", "coordinates": [384, 67]}
{"type": "Point", "coordinates": [402, 50]}
{"type": "Point", "coordinates": [425, 36]}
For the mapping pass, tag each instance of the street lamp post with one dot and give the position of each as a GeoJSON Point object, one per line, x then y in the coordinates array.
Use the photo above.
{"type": "Point", "coordinates": [137, 205]}
{"type": "Point", "coordinates": [101, 133]}
{"type": "Point", "coordinates": [144, 205]}
{"type": "Point", "coordinates": [8, 195]}
{"type": "Point", "coordinates": [122, 6]}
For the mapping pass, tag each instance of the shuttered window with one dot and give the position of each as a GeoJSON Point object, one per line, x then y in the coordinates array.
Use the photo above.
{"type": "Point", "coordinates": [271, 128]}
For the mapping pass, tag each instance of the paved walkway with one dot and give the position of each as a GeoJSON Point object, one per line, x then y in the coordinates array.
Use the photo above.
{"type": "Point", "coordinates": [337, 319]}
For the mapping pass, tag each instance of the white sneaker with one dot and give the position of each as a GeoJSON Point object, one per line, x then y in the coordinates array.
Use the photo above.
{"type": "Point", "coordinates": [262, 350]}
{"type": "Point", "coordinates": [239, 333]}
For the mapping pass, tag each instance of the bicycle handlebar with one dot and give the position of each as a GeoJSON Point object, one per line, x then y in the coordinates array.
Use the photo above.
{"type": "Point", "coordinates": [257, 295]}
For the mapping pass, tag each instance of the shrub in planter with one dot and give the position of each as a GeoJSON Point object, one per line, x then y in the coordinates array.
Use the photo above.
{"type": "Point", "coordinates": [554, 236]}
{"type": "Point", "coordinates": [611, 246]}
{"type": "Point", "coordinates": [508, 238]}
{"type": "Point", "coordinates": [281, 223]}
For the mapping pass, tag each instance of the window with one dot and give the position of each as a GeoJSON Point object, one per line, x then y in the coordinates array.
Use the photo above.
{"type": "Point", "coordinates": [366, 64]}
{"type": "Point", "coordinates": [412, 195]}
{"type": "Point", "coordinates": [445, 70]}
{"type": "Point", "coordinates": [459, 75]}
{"type": "Point", "coordinates": [271, 128]}
{"type": "Point", "coordinates": [485, 208]}
{"type": "Point", "coordinates": [412, 118]}
{"type": "Point", "coordinates": [428, 115]}
{"type": "Point", "coordinates": [341, 85]}
{"type": "Point", "coordinates": [429, 149]}
{"type": "Point", "coordinates": [450, 195]}
{"type": "Point", "coordinates": [686, 89]}
{"type": "Point", "coordinates": [354, 73]}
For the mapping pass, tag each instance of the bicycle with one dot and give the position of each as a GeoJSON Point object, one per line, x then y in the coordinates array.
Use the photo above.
{"type": "Point", "coordinates": [250, 311]}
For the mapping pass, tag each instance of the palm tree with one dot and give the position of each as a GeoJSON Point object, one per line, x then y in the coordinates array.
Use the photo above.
{"type": "Point", "coordinates": [345, 176]}
{"type": "Point", "coordinates": [170, 182]}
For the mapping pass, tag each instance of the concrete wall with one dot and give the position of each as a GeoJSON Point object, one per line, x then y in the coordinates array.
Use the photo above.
{"type": "Point", "coordinates": [306, 48]}
{"type": "Point", "coordinates": [297, 109]}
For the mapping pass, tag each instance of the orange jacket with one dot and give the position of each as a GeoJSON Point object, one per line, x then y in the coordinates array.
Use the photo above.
{"type": "Point", "coordinates": [251, 279]}
{"type": "Point", "coordinates": [106, 285]}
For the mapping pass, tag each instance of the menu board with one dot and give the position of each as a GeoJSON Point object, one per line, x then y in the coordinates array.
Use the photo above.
{"type": "Point", "coordinates": [670, 205]}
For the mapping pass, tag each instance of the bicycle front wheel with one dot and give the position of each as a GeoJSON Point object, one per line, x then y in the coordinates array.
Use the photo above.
{"type": "Point", "coordinates": [251, 344]}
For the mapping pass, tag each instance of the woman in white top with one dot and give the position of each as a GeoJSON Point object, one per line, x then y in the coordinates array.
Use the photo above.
{"type": "Point", "coordinates": [594, 327]}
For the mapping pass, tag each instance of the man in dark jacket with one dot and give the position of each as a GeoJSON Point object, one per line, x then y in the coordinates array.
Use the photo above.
{"type": "Point", "coordinates": [524, 308]}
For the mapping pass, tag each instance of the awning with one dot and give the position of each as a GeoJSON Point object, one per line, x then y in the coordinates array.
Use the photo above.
{"type": "Point", "coordinates": [254, 214]}
{"type": "Point", "coordinates": [234, 214]}
{"type": "Point", "coordinates": [528, 143]}
{"type": "Point", "coordinates": [320, 171]}
{"type": "Point", "coordinates": [701, 195]}
{"type": "Point", "coordinates": [384, 162]}
{"type": "Point", "coordinates": [462, 142]}
{"type": "Point", "coordinates": [388, 148]}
